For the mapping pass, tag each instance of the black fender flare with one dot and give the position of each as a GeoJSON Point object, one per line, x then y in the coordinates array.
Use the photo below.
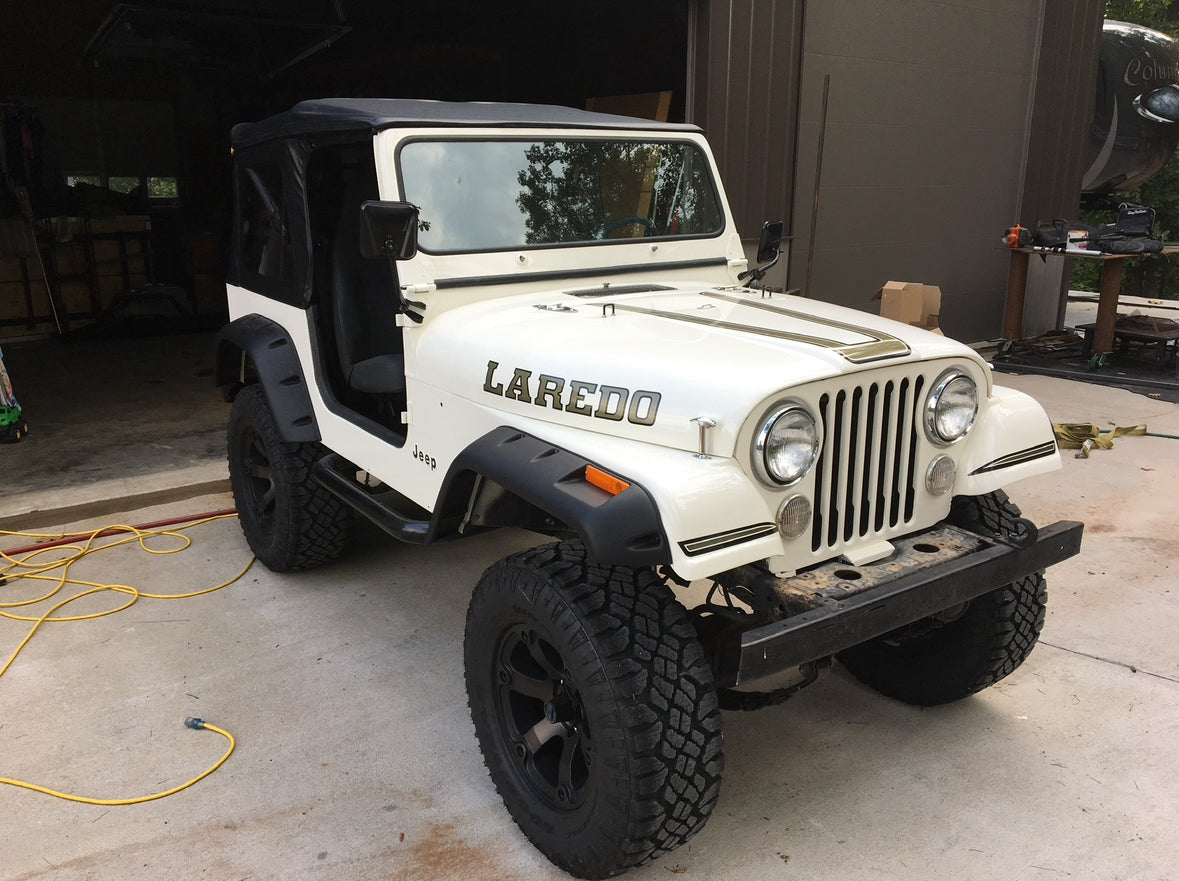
{"type": "Point", "coordinates": [269, 349]}
{"type": "Point", "coordinates": [623, 529]}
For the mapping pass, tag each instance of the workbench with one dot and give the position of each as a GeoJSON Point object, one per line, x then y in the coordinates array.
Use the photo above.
{"type": "Point", "coordinates": [1107, 302]}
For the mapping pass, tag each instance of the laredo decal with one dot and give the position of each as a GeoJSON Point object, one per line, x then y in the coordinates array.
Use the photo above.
{"type": "Point", "coordinates": [574, 396]}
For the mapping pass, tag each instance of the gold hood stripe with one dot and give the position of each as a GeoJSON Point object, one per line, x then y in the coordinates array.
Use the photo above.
{"type": "Point", "coordinates": [878, 345]}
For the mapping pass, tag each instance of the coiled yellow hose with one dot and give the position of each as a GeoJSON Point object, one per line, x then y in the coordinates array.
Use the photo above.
{"type": "Point", "coordinates": [33, 565]}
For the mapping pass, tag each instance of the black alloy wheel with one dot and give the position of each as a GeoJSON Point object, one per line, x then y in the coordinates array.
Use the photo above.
{"type": "Point", "coordinates": [541, 711]}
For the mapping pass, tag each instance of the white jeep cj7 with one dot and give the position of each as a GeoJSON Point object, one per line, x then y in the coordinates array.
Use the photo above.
{"type": "Point", "coordinates": [456, 317]}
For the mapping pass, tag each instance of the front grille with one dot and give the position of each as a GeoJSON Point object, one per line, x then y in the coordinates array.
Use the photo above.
{"type": "Point", "coordinates": [864, 480]}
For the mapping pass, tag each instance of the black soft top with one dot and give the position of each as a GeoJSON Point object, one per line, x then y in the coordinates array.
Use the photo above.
{"type": "Point", "coordinates": [327, 115]}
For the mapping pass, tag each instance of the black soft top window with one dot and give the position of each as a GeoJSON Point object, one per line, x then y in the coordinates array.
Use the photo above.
{"type": "Point", "coordinates": [265, 233]}
{"type": "Point", "coordinates": [271, 242]}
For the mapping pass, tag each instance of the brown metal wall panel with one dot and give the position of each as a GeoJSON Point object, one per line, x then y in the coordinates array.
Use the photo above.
{"type": "Point", "coordinates": [1062, 108]}
{"type": "Point", "coordinates": [1061, 112]}
{"type": "Point", "coordinates": [924, 149]}
{"type": "Point", "coordinates": [743, 92]}
{"type": "Point", "coordinates": [947, 120]}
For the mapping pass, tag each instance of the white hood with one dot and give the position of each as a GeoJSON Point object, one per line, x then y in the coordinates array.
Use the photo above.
{"type": "Point", "coordinates": [659, 358]}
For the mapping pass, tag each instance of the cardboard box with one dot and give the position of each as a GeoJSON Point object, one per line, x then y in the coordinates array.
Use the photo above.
{"type": "Point", "coordinates": [109, 286]}
{"type": "Point", "coordinates": [10, 270]}
{"type": "Point", "coordinates": [205, 254]}
{"type": "Point", "coordinates": [70, 258]}
{"type": "Point", "coordinates": [106, 251]}
{"type": "Point", "coordinates": [901, 301]}
{"type": "Point", "coordinates": [208, 292]}
{"type": "Point", "coordinates": [77, 297]}
{"type": "Point", "coordinates": [118, 223]}
{"type": "Point", "coordinates": [911, 303]}
{"type": "Point", "coordinates": [12, 300]}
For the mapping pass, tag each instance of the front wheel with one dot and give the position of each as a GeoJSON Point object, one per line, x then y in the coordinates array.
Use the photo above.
{"type": "Point", "coordinates": [594, 708]}
{"type": "Point", "coordinates": [966, 649]}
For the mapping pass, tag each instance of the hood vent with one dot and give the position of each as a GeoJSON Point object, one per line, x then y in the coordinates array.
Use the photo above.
{"type": "Point", "coordinates": [605, 290]}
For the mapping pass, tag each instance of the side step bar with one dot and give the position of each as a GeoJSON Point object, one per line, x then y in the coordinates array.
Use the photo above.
{"type": "Point", "coordinates": [336, 474]}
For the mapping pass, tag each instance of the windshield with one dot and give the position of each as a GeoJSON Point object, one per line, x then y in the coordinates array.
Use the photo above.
{"type": "Point", "coordinates": [478, 195]}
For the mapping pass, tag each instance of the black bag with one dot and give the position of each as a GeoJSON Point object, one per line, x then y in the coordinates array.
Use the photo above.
{"type": "Point", "coordinates": [1131, 234]}
{"type": "Point", "coordinates": [1130, 246]}
{"type": "Point", "coordinates": [1053, 236]}
{"type": "Point", "coordinates": [1135, 220]}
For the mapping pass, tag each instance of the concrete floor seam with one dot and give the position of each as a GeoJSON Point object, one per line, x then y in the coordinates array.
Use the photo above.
{"type": "Point", "coordinates": [1131, 667]}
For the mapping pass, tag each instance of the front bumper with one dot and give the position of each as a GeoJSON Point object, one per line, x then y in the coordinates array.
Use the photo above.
{"type": "Point", "coordinates": [850, 605]}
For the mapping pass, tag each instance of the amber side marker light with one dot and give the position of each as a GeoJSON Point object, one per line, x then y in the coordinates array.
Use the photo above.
{"type": "Point", "coordinates": [602, 480]}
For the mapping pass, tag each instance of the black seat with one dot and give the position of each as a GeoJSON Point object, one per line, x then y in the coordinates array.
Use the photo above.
{"type": "Point", "coordinates": [364, 310]}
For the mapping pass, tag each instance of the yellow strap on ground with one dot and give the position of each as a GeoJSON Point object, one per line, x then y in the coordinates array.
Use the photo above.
{"type": "Point", "coordinates": [53, 565]}
{"type": "Point", "coordinates": [1085, 435]}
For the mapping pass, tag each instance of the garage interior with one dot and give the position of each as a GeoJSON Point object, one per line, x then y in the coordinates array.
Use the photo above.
{"type": "Point", "coordinates": [115, 200]}
{"type": "Point", "coordinates": [117, 119]}
{"type": "Point", "coordinates": [117, 174]}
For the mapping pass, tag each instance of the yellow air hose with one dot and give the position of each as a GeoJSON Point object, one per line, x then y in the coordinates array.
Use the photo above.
{"type": "Point", "coordinates": [27, 563]}
{"type": "Point", "coordinates": [191, 723]}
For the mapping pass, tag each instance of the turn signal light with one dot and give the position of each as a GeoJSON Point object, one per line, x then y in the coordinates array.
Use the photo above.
{"type": "Point", "coordinates": [602, 480]}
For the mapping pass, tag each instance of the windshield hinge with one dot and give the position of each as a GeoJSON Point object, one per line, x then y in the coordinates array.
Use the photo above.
{"type": "Point", "coordinates": [427, 288]}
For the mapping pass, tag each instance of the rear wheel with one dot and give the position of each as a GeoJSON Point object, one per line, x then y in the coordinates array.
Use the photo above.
{"type": "Point", "coordinates": [968, 648]}
{"type": "Point", "coordinates": [594, 708]}
{"type": "Point", "coordinates": [288, 519]}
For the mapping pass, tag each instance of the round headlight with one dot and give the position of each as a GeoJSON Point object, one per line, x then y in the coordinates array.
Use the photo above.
{"type": "Point", "coordinates": [786, 446]}
{"type": "Point", "coordinates": [951, 408]}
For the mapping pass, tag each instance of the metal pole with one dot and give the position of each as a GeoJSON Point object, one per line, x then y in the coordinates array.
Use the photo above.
{"type": "Point", "coordinates": [810, 252]}
{"type": "Point", "coordinates": [44, 275]}
{"type": "Point", "coordinates": [26, 210]}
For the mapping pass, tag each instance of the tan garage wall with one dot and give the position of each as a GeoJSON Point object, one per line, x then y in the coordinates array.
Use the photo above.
{"type": "Point", "coordinates": [936, 113]}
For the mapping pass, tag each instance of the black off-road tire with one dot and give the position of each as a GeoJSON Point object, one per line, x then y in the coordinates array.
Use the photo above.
{"type": "Point", "coordinates": [289, 520]}
{"type": "Point", "coordinates": [594, 708]}
{"type": "Point", "coordinates": [936, 662]}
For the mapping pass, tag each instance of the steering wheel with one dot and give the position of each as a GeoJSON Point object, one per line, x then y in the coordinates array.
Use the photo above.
{"type": "Point", "coordinates": [626, 221]}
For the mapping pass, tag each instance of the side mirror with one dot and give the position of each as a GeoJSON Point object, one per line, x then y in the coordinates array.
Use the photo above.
{"type": "Point", "coordinates": [770, 242]}
{"type": "Point", "coordinates": [769, 248]}
{"type": "Point", "coordinates": [388, 229]}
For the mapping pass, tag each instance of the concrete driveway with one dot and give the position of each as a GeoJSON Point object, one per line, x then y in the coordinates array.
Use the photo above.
{"type": "Point", "coordinates": [356, 757]}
